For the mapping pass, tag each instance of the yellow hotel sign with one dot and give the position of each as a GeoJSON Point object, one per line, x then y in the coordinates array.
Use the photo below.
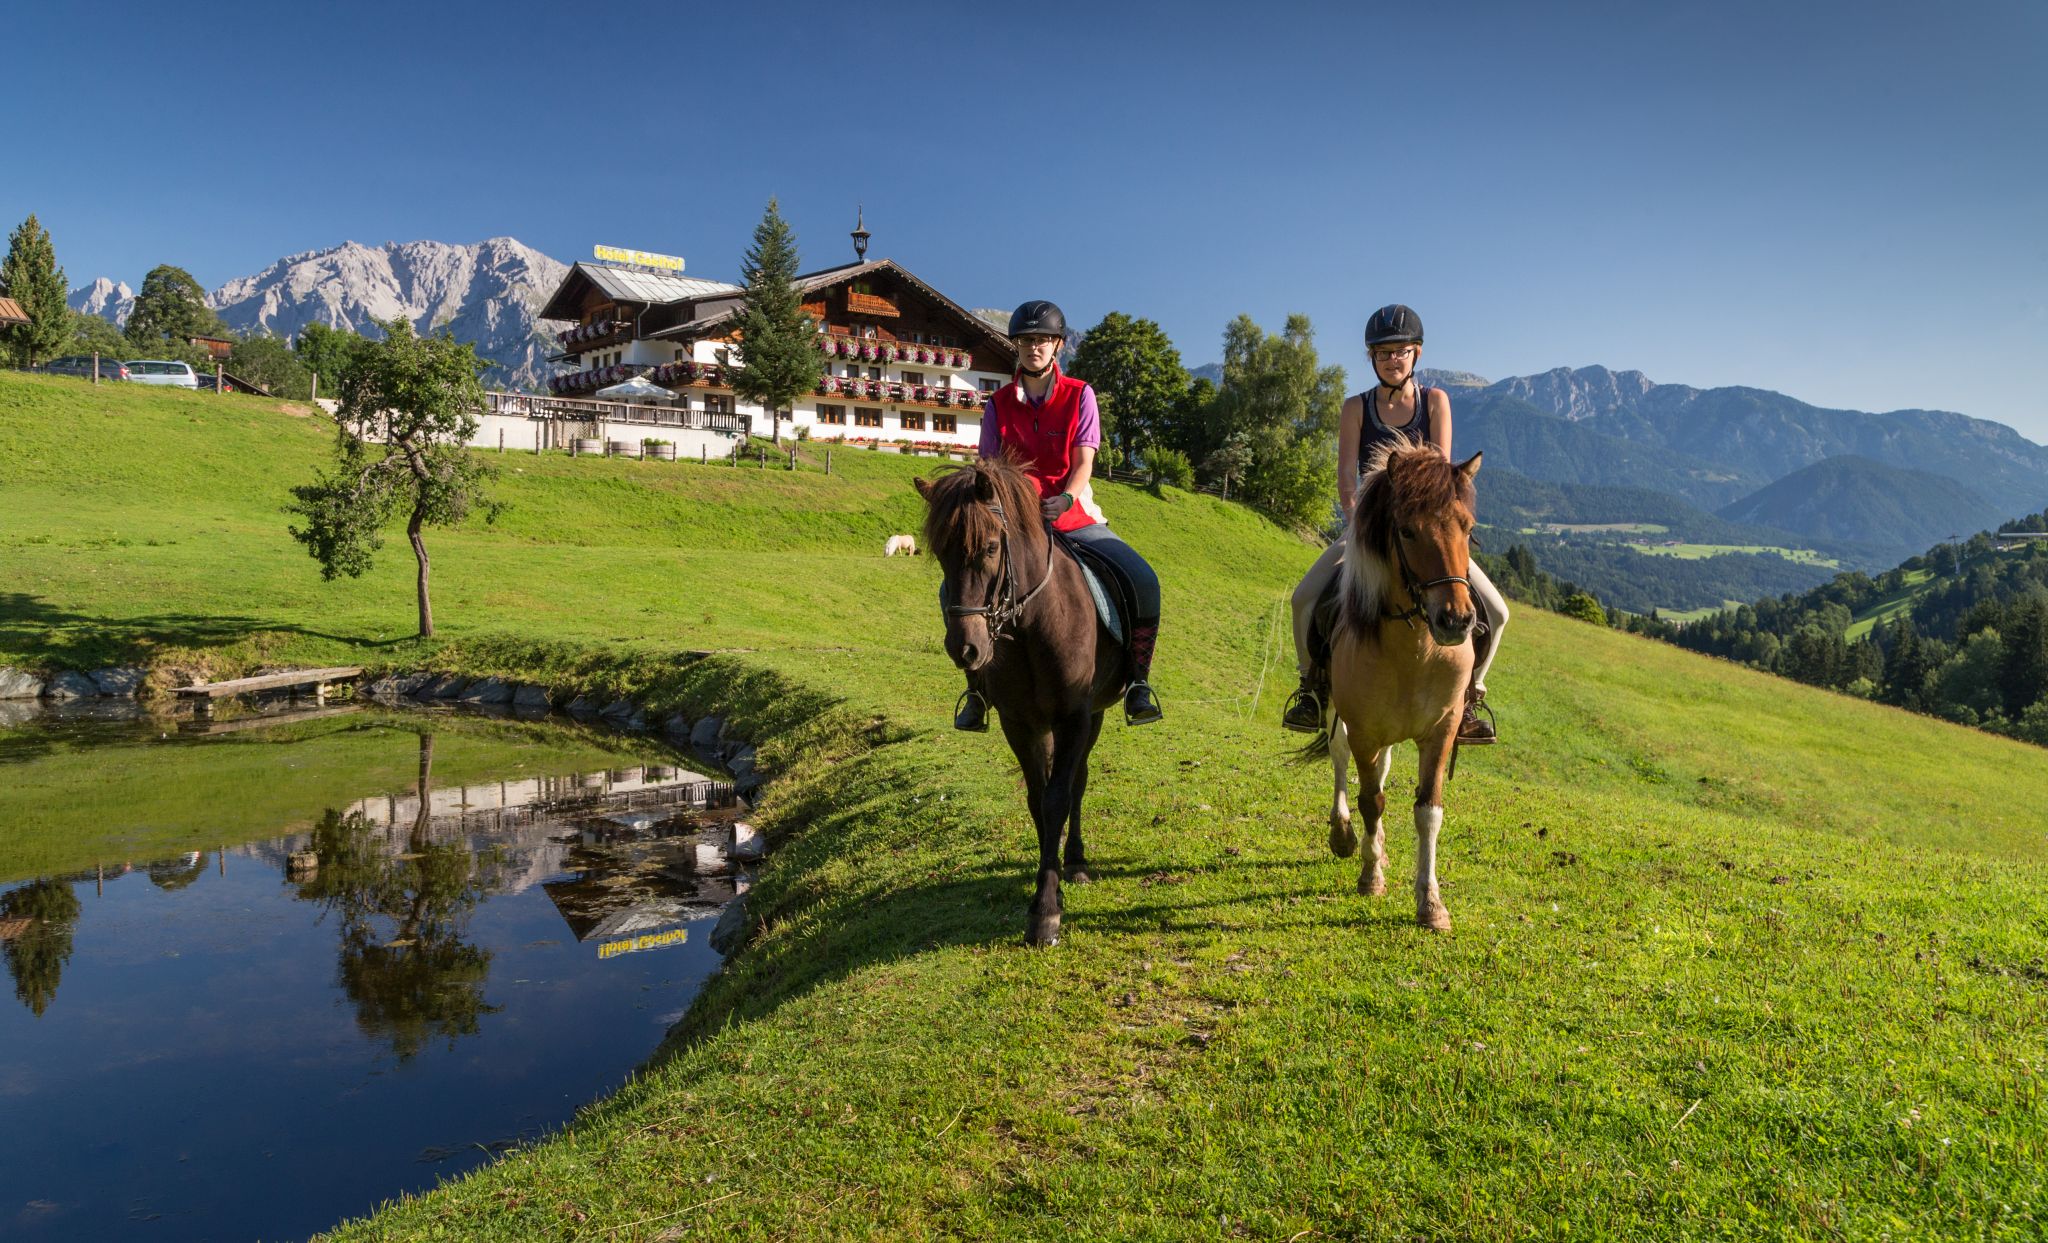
{"type": "Point", "coordinates": [633, 945]}
{"type": "Point", "coordinates": [644, 258]}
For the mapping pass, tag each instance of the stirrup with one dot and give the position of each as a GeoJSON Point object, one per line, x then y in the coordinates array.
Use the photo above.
{"type": "Point", "coordinates": [1473, 707]}
{"type": "Point", "coordinates": [1304, 695]}
{"type": "Point", "coordinates": [976, 723]}
{"type": "Point", "coordinates": [1141, 717]}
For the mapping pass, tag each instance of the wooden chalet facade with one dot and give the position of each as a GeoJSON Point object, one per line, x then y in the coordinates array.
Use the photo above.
{"type": "Point", "coordinates": [903, 362]}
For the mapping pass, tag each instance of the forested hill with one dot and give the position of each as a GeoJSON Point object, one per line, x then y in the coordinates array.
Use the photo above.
{"type": "Point", "coordinates": [1857, 499]}
{"type": "Point", "coordinates": [1519, 437]}
{"type": "Point", "coordinates": [1510, 500]}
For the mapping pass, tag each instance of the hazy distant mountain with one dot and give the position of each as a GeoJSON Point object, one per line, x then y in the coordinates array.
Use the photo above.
{"type": "Point", "coordinates": [486, 293]}
{"type": "Point", "coordinates": [107, 299]}
{"type": "Point", "coordinates": [1519, 437]}
{"type": "Point", "coordinates": [1855, 498]}
{"type": "Point", "coordinates": [1438, 377]}
{"type": "Point", "coordinates": [1759, 435]}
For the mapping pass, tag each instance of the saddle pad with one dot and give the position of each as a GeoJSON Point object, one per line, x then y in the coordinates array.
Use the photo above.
{"type": "Point", "coordinates": [1106, 603]}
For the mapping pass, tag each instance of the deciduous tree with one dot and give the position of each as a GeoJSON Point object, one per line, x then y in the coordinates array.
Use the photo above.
{"type": "Point", "coordinates": [1277, 395]}
{"type": "Point", "coordinates": [1137, 375]}
{"type": "Point", "coordinates": [778, 350]}
{"type": "Point", "coordinates": [169, 311]}
{"type": "Point", "coordinates": [409, 406]}
{"type": "Point", "coordinates": [269, 362]}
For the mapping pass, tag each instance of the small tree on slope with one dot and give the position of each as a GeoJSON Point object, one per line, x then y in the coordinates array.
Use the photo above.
{"type": "Point", "coordinates": [409, 406]}
{"type": "Point", "coordinates": [778, 354]}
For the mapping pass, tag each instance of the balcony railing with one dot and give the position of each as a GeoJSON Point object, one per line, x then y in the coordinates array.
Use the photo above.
{"type": "Point", "coordinates": [860, 349]}
{"type": "Point", "coordinates": [593, 335]}
{"type": "Point", "coordinates": [897, 393]}
{"type": "Point", "coordinates": [668, 375]}
{"type": "Point", "coordinates": [529, 406]}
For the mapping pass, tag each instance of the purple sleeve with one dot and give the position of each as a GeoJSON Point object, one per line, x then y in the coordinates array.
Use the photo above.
{"type": "Point", "coordinates": [991, 440]}
{"type": "Point", "coordinates": [1088, 426]}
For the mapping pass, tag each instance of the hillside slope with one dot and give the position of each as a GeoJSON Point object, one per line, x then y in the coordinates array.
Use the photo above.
{"type": "Point", "coordinates": [1732, 959]}
{"type": "Point", "coordinates": [1856, 499]}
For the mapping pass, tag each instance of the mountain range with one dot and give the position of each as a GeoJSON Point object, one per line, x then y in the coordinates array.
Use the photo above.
{"type": "Point", "coordinates": [487, 292]}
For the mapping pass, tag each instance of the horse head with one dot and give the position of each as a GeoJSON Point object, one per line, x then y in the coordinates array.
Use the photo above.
{"type": "Point", "coordinates": [980, 519]}
{"type": "Point", "coordinates": [1410, 538]}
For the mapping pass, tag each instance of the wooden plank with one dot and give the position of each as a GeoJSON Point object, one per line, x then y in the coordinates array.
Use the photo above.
{"type": "Point", "coordinates": [270, 681]}
{"type": "Point", "coordinates": [264, 721]}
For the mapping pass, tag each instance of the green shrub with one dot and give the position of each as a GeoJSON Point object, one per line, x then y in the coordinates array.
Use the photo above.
{"type": "Point", "coordinates": [1170, 466]}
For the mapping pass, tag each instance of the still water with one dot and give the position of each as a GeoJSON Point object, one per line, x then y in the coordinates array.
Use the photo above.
{"type": "Point", "coordinates": [262, 980]}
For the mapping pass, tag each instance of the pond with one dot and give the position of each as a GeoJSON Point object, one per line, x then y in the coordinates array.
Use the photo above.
{"type": "Point", "coordinates": [266, 976]}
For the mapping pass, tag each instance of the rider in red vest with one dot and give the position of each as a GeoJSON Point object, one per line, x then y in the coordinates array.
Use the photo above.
{"type": "Point", "coordinates": [1050, 423]}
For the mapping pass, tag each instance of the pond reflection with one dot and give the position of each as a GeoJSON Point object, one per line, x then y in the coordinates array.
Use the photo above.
{"type": "Point", "coordinates": [277, 1032]}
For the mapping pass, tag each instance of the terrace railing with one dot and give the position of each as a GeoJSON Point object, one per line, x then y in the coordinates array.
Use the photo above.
{"type": "Point", "coordinates": [573, 410]}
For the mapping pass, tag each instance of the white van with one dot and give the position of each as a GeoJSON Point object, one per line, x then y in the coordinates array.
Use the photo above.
{"type": "Point", "coordinates": [158, 371]}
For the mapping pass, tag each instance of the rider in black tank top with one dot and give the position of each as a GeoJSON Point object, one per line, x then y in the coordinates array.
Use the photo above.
{"type": "Point", "coordinates": [1420, 429]}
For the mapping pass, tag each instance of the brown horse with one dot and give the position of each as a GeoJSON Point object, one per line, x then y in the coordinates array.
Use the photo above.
{"type": "Point", "coordinates": [1405, 558]}
{"type": "Point", "coordinates": [1019, 617]}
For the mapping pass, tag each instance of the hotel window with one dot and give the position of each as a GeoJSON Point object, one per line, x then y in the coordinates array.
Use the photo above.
{"type": "Point", "coordinates": [945, 423]}
{"type": "Point", "coordinates": [990, 386]}
{"type": "Point", "coordinates": [913, 377]}
{"type": "Point", "coordinates": [679, 356]}
{"type": "Point", "coordinates": [715, 403]}
{"type": "Point", "coordinates": [874, 373]}
{"type": "Point", "coordinates": [835, 415]}
{"type": "Point", "coordinates": [863, 417]}
{"type": "Point", "coordinates": [913, 421]}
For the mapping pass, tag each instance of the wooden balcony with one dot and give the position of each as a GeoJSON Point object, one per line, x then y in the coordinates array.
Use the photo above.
{"type": "Point", "coordinates": [570, 410]}
{"type": "Point", "coordinates": [862, 349]}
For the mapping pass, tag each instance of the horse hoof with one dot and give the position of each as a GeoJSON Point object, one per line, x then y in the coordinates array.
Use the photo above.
{"type": "Point", "coordinates": [1343, 842]}
{"type": "Point", "coordinates": [1079, 876]}
{"type": "Point", "coordinates": [1043, 938]}
{"type": "Point", "coordinates": [1433, 917]}
{"type": "Point", "coordinates": [1372, 886]}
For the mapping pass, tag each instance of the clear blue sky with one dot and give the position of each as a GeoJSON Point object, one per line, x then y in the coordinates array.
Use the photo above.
{"type": "Point", "coordinates": [1844, 202]}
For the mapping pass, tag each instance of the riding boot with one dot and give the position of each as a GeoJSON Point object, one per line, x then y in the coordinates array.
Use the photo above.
{"type": "Point", "coordinates": [1141, 707]}
{"type": "Point", "coordinates": [971, 712]}
{"type": "Point", "coordinates": [1472, 730]}
{"type": "Point", "coordinates": [1304, 712]}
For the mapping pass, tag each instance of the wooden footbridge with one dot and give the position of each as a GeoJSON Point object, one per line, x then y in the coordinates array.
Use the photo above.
{"type": "Point", "coordinates": [291, 679]}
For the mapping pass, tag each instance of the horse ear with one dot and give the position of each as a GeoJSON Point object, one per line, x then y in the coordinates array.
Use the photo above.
{"type": "Point", "coordinates": [924, 488]}
{"type": "Point", "coordinates": [984, 486]}
{"type": "Point", "coordinates": [1469, 467]}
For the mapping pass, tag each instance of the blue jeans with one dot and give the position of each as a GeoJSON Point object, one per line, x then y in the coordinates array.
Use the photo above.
{"type": "Point", "coordinates": [1144, 582]}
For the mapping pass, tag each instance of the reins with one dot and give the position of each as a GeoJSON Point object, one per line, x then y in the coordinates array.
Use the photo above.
{"type": "Point", "coordinates": [1006, 608]}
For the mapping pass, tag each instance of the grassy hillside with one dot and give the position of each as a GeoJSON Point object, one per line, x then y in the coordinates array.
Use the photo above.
{"type": "Point", "coordinates": [1734, 958]}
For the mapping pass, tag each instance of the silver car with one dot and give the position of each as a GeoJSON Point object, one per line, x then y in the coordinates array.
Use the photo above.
{"type": "Point", "coordinates": [160, 371]}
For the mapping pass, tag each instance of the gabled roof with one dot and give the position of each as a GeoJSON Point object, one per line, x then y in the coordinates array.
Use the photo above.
{"type": "Point", "coordinates": [629, 285]}
{"type": "Point", "coordinates": [715, 313]}
{"type": "Point", "coordinates": [11, 312]}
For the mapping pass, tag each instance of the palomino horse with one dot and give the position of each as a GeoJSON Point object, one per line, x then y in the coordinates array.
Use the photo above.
{"type": "Point", "coordinates": [1020, 618]}
{"type": "Point", "coordinates": [1405, 558]}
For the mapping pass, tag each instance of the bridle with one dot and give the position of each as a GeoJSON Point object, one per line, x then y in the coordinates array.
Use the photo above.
{"type": "Point", "coordinates": [1413, 585]}
{"type": "Point", "coordinates": [1006, 607]}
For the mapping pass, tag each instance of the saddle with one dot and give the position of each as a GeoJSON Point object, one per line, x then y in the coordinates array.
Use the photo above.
{"type": "Point", "coordinates": [1115, 600]}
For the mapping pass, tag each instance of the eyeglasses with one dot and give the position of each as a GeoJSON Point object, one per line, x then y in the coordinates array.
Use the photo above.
{"type": "Point", "coordinates": [1382, 354]}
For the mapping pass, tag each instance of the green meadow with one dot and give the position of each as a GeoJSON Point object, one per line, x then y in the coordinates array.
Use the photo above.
{"type": "Point", "coordinates": [1734, 958]}
{"type": "Point", "coordinates": [1697, 552]}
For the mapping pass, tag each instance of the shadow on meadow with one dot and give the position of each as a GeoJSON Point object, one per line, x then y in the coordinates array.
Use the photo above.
{"type": "Point", "coordinates": [38, 633]}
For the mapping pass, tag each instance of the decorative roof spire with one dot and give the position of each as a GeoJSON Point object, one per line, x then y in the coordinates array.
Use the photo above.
{"type": "Point", "coordinates": [860, 235]}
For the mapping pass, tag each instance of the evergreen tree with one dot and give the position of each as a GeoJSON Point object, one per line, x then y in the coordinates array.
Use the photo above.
{"type": "Point", "coordinates": [31, 277]}
{"type": "Point", "coordinates": [409, 408]}
{"type": "Point", "coordinates": [2023, 670]}
{"type": "Point", "coordinates": [169, 311]}
{"type": "Point", "coordinates": [778, 350]}
{"type": "Point", "coordinates": [1137, 376]}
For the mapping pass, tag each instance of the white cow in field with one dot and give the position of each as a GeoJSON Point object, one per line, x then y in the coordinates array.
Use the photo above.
{"type": "Point", "coordinates": [905, 544]}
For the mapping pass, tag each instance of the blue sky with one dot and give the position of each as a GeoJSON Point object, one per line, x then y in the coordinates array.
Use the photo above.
{"type": "Point", "coordinates": [1844, 202]}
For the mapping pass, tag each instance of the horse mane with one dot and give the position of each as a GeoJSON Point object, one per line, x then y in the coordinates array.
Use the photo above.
{"type": "Point", "coordinates": [1404, 482]}
{"type": "Point", "coordinates": [953, 520]}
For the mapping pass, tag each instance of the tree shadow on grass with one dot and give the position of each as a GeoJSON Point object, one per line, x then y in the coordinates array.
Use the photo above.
{"type": "Point", "coordinates": [40, 634]}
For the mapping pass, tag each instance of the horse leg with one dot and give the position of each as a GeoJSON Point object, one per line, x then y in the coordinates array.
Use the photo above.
{"type": "Point", "coordinates": [1429, 819]}
{"type": "Point", "coordinates": [1342, 840]}
{"type": "Point", "coordinates": [1077, 854]}
{"type": "Point", "coordinates": [1372, 877]}
{"type": "Point", "coordinates": [1069, 736]}
{"type": "Point", "coordinates": [1034, 750]}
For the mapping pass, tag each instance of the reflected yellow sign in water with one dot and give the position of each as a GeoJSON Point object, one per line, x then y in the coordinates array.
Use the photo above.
{"type": "Point", "coordinates": [644, 258]}
{"type": "Point", "coordinates": [652, 941]}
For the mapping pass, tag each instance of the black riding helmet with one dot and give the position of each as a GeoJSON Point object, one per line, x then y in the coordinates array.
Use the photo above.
{"type": "Point", "coordinates": [1390, 325]}
{"type": "Point", "coordinates": [1038, 318]}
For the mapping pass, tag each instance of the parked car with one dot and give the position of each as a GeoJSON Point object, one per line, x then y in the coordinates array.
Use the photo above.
{"type": "Point", "coordinates": [160, 371]}
{"type": "Point", "coordinates": [81, 365]}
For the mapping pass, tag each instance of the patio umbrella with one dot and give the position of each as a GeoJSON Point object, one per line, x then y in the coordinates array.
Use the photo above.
{"type": "Point", "coordinates": [639, 388]}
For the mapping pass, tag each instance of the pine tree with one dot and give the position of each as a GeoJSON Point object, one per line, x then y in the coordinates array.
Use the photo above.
{"type": "Point", "coordinates": [778, 352]}
{"type": "Point", "coordinates": [31, 277]}
{"type": "Point", "coordinates": [2023, 672]}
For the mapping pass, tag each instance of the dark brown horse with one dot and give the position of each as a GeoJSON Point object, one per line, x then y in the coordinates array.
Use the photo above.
{"type": "Point", "coordinates": [1019, 618]}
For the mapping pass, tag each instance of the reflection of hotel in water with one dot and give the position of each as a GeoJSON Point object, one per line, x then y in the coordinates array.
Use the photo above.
{"type": "Point", "coordinates": [625, 854]}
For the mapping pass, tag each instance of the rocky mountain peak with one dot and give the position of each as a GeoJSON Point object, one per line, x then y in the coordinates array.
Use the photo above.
{"type": "Point", "coordinates": [1582, 393]}
{"type": "Point", "coordinates": [110, 300]}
